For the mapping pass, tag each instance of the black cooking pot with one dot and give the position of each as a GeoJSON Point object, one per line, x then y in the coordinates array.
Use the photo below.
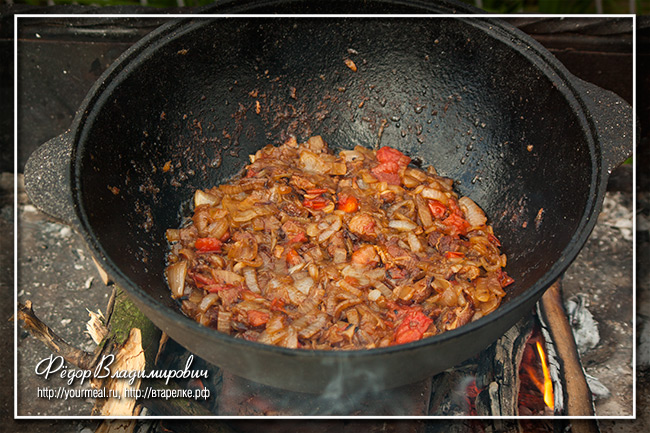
{"type": "Point", "coordinates": [476, 98]}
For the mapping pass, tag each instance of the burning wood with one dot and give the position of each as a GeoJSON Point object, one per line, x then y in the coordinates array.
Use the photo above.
{"type": "Point", "coordinates": [498, 379]}
{"type": "Point", "coordinates": [554, 320]}
{"type": "Point", "coordinates": [520, 374]}
{"type": "Point", "coordinates": [575, 392]}
{"type": "Point", "coordinates": [548, 383]}
{"type": "Point", "coordinates": [536, 395]}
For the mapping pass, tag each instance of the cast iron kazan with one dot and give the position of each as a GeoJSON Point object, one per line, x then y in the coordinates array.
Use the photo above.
{"type": "Point", "coordinates": [476, 98]}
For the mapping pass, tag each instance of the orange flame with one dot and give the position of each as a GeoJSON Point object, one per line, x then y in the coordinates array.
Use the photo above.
{"type": "Point", "coordinates": [548, 383]}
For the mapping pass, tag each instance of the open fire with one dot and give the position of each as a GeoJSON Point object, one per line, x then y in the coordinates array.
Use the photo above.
{"type": "Point", "coordinates": [548, 384]}
{"type": "Point", "coordinates": [536, 395]}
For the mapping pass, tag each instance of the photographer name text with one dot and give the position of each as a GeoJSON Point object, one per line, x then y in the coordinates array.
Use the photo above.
{"type": "Point", "coordinates": [56, 366]}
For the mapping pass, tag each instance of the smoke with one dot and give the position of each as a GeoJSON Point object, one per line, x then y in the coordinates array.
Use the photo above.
{"type": "Point", "coordinates": [339, 398]}
{"type": "Point", "coordinates": [349, 392]}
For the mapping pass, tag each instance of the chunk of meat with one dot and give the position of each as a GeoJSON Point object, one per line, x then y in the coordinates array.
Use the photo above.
{"type": "Point", "coordinates": [294, 231]}
{"type": "Point", "coordinates": [301, 182]}
{"type": "Point", "coordinates": [447, 243]}
{"type": "Point", "coordinates": [365, 256]}
{"type": "Point", "coordinates": [362, 225]}
{"type": "Point", "coordinates": [336, 248]}
{"type": "Point", "coordinates": [401, 257]}
{"type": "Point", "coordinates": [293, 209]}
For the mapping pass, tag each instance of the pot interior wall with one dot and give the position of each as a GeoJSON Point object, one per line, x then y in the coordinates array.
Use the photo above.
{"type": "Point", "coordinates": [457, 94]}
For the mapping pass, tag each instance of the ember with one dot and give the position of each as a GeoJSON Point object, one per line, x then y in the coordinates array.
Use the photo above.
{"type": "Point", "coordinates": [472, 391]}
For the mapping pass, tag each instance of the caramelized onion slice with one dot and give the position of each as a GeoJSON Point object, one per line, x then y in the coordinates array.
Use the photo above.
{"type": "Point", "coordinates": [405, 226]}
{"type": "Point", "coordinates": [311, 162]}
{"type": "Point", "coordinates": [228, 277]}
{"type": "Point", "coordinates": [434, 194]}
{"type": "Point", "coordinates": [224, 320]}
{"type": "Point", "coordinates": [209, 300]}
{"type": "Point", "coordinates": [176, 274]}
{"type": "Point", "coordinates": [474, 214]}
{"type": "Point", "coordinates": [250, 276]}
{"type": "Point", "coordinates": [202, 197]}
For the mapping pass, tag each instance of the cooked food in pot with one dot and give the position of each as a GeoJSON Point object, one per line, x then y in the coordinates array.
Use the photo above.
{"type": "Point", "coordinates": [320, 251]}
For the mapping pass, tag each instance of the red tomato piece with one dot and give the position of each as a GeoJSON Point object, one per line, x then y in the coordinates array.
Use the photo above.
{"type": "Point", "coordinates": [277, 304]}
{"type": "Point", "coordinates": [438, 210]}
{"type": "Point", "coordinates": [257, 318]}
{"type": "Point", "coordinates": [406, 335]}
{"type": "Point", "coordinates": [316, 191]}
{"type": "Point", "coordinates": [208, 245]}
{"type": "Point", "coordinates": [388, 154]}
{"type": "Point", "coordinates": [454, 254]}
{"type": "Point", "coordinates": [316, 203]}
{"type": "Point", "coordinates": [391, 162]}
{"type": "Point", "coordinates": [413, 327]}
{"type": "Point", "coordinates": [293, 258]}
{"type": "Point", "coordinates": [201, 280]}
{"type": "Point", "coordinates": [348, 203]}
{"type": "Point", "coordinates": [300, 237]}
{"type": "Point", "coordinates": [457, 224]}
{"type": "Point", "coordinates": [214, 288]}
{"type": "Point", "coordinates": [387, 172]}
